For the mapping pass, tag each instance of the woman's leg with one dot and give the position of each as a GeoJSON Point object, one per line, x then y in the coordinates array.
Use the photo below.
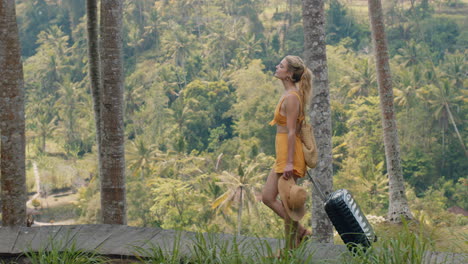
{"type": "Point", "coordinates": [269, 194]}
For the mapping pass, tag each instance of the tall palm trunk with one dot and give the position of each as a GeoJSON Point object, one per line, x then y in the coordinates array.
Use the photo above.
{"type": "Point", "coordinates": [12, 123]}
{"type": "Point", "coordinates": [398, 204]}
{"type": "Point", "coordinates": [239, 213]}
{"type": "Point", "coordinates": [95, 70]}
{"type": "Point", "coordinates": [452, 120]}
{"type": "Point", "coordinates": [113, 203]}
{"type": "Point", "coordinates": [315, 55]}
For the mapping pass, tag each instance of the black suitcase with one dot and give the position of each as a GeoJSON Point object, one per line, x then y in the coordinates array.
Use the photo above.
{"type": "Point", "coordinates": [347, 218]}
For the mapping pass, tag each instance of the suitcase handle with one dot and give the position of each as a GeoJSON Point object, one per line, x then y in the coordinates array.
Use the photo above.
{"type": "Point", "coordinates": [317, 187]}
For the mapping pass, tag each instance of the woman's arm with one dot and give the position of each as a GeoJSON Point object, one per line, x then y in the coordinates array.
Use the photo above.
{"type": "Point", "coordinates": [292, 112]}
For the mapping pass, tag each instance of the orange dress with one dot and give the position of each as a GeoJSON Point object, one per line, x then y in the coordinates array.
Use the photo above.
{"type": "Point", "coordinates": [281, 144]}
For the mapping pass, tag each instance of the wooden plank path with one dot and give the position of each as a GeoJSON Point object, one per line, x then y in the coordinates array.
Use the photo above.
{"type": "Point", "coordinates": [127, 241]}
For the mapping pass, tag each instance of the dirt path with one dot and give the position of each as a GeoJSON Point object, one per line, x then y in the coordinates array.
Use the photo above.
{"type": "Point", "coordinates": [65, 222]}
{"type": "Point", "coordinates": [37, 180]}
{"type": "Point", "coordinates": [55, 209]}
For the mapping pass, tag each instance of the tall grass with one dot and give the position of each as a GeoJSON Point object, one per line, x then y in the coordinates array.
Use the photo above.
{"type": "Point", "coordinates": [69, 255]}
{"type": "Point", "coordinates": [407, 246]}
{"type": "Point", "coordinates": [156, 254]}
{"type": "Point", "coordinates": [211, 249]}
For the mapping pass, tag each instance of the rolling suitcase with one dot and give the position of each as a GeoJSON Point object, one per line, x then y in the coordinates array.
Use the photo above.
{"type": "Point", "coordinates": [347, 218]}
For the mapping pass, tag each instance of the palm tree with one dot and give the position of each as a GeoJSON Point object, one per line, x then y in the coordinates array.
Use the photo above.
{"type": "Point", "coordinates": [151, 34]}
{"type": "Point", "coordinates": [409, 83]}
{"type": "Point", "coordinates": [176, 203]}
{"type": "Point", "coordinates": [218, 40]}
{"type": "Point", "coordinates": [220, 37]}
{"type": "Point", "coordinates": [409, 54]}
{"type": "Point", "coordinates": [182, 114]}
{"type": "Point", "coordinates": [75, 12]}
{"type": "Point", "coordinates": [95, 70]}
{"type": "Point", "coordinates": [313, 15]}
{"type": "Point", "coordinates": [56, 43]}
{"type": "Point", "coordinates": [134, 39]}
{"type": "Point", "coordinates": [361, 80]}
{"type": "Point", "coordinates": [398, 204]}
{"type": "Point", "coordinates": [178, 44]}
{"type": "Point", "coordinates": [12, 121]}
{"type": "Point", "coordinates": [455, 68]}
{"type": "Point", "coordinates": [453, 77]}
{"type": "Point", "coordinates": [113, 202]}
{"type": "Point", "coordinates": [45, 124]}
{"type": "Point", "coordinates": [409, 87]}
{"type": "Point", "coordinates": [140, 157]}
{"type": "Point", "coordinates": [68, 104]}
{"type": "Point", "coordinates": [375, 183]}
{"type": "Point", "coordinates": [249, 46]}
{"type": "Point", "coordinates": [242, 186]}
{"type": "Point", "coordinates": [441, 100]}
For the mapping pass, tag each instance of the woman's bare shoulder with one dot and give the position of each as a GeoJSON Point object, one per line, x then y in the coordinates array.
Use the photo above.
{"type": "Point", "coordinates": [291, 98]}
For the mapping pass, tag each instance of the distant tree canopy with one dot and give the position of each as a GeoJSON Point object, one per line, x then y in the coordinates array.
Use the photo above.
{"type": "Point", "coordinates": [342, 25]}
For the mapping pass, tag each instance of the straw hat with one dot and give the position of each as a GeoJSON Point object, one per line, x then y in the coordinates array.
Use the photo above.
{"type": "Point", "coordinates": [293, 198]}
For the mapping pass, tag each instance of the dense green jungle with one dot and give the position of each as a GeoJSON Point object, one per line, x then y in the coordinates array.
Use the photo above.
{"type": "Point", "coordinates": [200, 91]}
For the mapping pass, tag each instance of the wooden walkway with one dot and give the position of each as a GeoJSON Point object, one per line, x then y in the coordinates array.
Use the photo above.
{"type": "Point", "coordinates": [126, 241]}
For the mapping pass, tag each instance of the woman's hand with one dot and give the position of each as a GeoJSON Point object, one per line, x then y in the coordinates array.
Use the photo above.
{"type": "Point", "coordinates": [288, 171]}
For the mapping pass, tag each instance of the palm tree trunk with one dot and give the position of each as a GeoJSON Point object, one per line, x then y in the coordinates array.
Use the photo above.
{"type": "Point", "coordinates": [239, 213]}
{"type": "Point", "coordinates": [320, 114]}
{"type": "Point", "coordinates": [95, 70]}
{"type": "Point", "coordinates": [113, 202]}
{"type": "Point", "coordinates": [43, 144]}
{"type": "Point", "coordinates": [398, 204]}
{"type": "Point", "coordinates": [12, 123]}
{"type": "Point", "coordinates": [452, 120]}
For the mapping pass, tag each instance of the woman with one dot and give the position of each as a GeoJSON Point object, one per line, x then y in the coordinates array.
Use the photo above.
{"type": "Point", "coordinates": [290, 164]}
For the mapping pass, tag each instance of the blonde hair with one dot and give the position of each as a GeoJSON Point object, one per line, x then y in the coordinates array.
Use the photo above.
{"type": "Point", "coordinates": [301, 75]}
